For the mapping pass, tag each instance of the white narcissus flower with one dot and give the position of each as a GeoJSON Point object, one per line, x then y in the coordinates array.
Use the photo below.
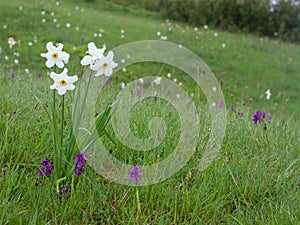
{"type": "Point", "coordinates": [11, 42]}
{"type": "Point", "coordinates": [157, 80]}
{"type": "Point", "coordinates": [104, 65]}
{"type": "Point", "coordinates": [63, 82]}
{"type": "Point", "coordinates": [268, 94]}
{"type": "Point", "coordinates": [55, 55]}
{"type": "Point", "coordinates": [94, 53]}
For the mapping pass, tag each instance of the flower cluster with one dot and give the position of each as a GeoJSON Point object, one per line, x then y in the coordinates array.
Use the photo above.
{"type": "Point", "coordinates": [80, 159]}
{"type": "Point", "coordinates": [135, 174]}
{"type": "Point", "coordinates": [97, 61]}
{"type": "Point", "coordinates": [55, 56]}
{"type": "Point", "coordinates": [258, 117]}
{"type": "Point", "coordinates": [46, 168]}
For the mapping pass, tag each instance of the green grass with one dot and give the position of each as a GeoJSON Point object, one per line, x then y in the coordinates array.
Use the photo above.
{"type": "Point", "coordinates": [255, 179]}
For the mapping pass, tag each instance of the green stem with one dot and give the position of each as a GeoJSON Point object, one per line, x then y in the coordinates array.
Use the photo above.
{"type": "Point", "coordinates": [72, 184]}
{"type": "Point", "coordinates": [62, 122]}
{"type": "Point", "coordinates": [57, 183]}
{"type": "Point", "coordinates": [138, 202]}
{"type": "Point", "coordinates": [55, 138]}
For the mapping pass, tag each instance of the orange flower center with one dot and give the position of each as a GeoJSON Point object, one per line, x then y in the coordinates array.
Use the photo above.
{"type": "Point", "coordinates": [63, 82]}
{"type": "Point", "coordinates": [54, 55]}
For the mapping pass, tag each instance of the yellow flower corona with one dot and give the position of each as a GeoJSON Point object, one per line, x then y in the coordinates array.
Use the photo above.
{"type": "Point", "coordinates": [63, 82]}
{"type": "Point", "coordinates": [54, 55]}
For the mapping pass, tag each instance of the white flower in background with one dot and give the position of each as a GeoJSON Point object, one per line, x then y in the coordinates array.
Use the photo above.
{"type": "Point", "coordinates": [104, 65]}
{"type": "Point", "coordinates": [68, 25]}
{"type": "Point", "coordinates": [157, 80]}
{"type": "Point", "coordinates": [123, 85]}
{"type": "Point", "coordinates": [55, 55]}
{"type": "Point", "coordinates": [93, 54]}
{"type": "Point", "coordinates": [11, 42]}
{"type": "Point", "coordinates": [268, 94]}
{"type": "Point", "coordinates": [141, 80]}
{"type": "Point", "coordinates": [205, 27]}
{"type": "Point", "coordinates": [223, 45]}
{"type": "Point", "coordinates": [158, 33]}
{"type": "Point", "coordinates": [169, 75]}
{"type": "Point", "coordinates": [63, 82]}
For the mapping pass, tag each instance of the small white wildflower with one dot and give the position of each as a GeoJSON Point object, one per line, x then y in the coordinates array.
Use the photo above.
{"type": "Point", "coordinates": [157, 80]}
{"type": "Point", "coordinates": [169, 75]}
{"type": "Point", "coordinates": [68, 25]}
{"type": "Point", "coordinates": [158, 33]}
{"type": "Point", "coordinates": [11, 42]}
{"type": "Point", "coordinates": [268, 94]}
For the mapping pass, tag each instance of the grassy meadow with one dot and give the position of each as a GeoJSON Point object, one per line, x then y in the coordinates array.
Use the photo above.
{"type": "Point", "coordinates": [255, 178]}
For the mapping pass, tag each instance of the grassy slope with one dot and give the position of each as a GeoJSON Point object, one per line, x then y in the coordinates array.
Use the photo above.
{"type": "Point", "coordinates": [247, 184]}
